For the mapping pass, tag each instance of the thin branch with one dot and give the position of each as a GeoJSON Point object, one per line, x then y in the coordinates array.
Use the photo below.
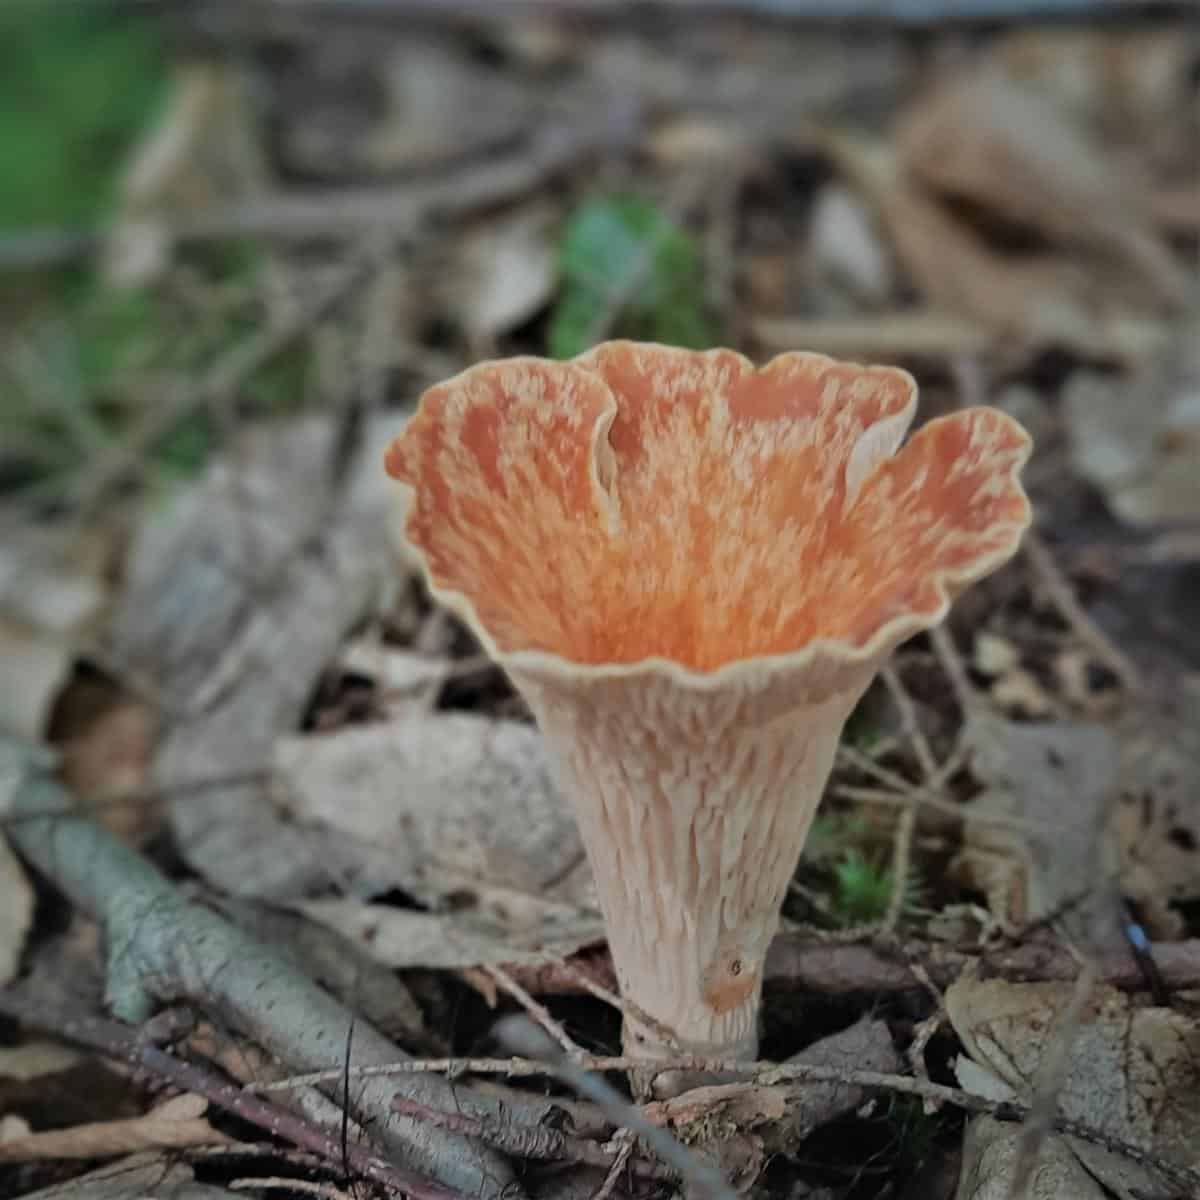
{"type": "Point", "coordinates": [956, 672]}
{"type": "Point", "coordinates": [122, 1042]}
{"type": "Point", "coordinates": [1059, 592]}
{"type": "Point", "coordinates": [1050, 1077]}
{"type": "Point", "coordinates": [584, 1077]}
{"type": "Point", "coordinates": [538, 1012]}
{"type": "Point", "coordinates": [905, 827]}
{"type": "Point", "coordinates": [528, 1141]}
{"type": "Point", "coordinates": [794, 1072]}
{"type": "Point", "coordinates": [163, 948]}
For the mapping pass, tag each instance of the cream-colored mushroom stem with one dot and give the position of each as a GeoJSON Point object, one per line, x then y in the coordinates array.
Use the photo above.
{"type": "Point", "coordinates": [694, 804]}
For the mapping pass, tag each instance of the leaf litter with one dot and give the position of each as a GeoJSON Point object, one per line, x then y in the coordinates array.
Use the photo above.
{"type": "Point", "coordinates": [299, 734]}
{"type": "Point", "coordinates": [1133, 1073]}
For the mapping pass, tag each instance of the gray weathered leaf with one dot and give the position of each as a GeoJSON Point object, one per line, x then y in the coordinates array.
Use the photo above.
{"type": "Point", "coordinates": [1133, 1072]}
{"type": "Point", "coordinates": [446, 806]}
{"type": "Point", "coordinates": [1038, 834]}
{"type": "Point", "coordinates": [514, 929]}
{"type": "Point", "coordinates": [239, 594]}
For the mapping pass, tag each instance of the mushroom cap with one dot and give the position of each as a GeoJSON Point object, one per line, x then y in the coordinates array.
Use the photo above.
{"type": "Point", "coordinates": [645, 508]}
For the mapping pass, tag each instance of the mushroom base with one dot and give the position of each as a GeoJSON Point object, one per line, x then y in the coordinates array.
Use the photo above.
{"type": "Point", "coordinates": [638, 1042]}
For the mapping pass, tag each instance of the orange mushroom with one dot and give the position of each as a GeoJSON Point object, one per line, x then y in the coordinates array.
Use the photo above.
{"type": "Point", "coordinates": [691, 570]}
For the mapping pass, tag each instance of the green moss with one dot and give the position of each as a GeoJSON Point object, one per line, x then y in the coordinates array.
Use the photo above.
{"type": "Point", "coordinates": [863, 888]}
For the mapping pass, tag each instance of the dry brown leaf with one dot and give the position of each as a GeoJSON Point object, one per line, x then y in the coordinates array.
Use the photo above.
{"type": "Point", "coordinates": [1133, 1072]}
{"type": "Point", "coordinates": [846, 247]}
{"type": "Point", "coordinates": [42, 664]}
{"type": "Point", "coordinates": [691, 140]}
{"type": "Point", "coordinates": [989, 1163]}
{"type": "Point", "coordinates": [237, 597]}
{"type": "Point", "coordinates": [419, 102]}
{"type": "Point", "coordinates": [1131, 87]}
{"type": "Point", "coordinates": [1026, 301]}
{"type": "Point", "coordinates": [741, 1104]}
{"type": "Point", "coordinates": [1137, 438]}
{"type": "Point", "coordinates": [106, 763]}
{"type": "Point", "coordinates": [1073, 674]}
{"type": "Point", "coordinates": [982, 138]}
{"type": "Point", "coordinates": [139, 1177]}
{"type": "Point", "coordinates": [1157, 822]}
{"type": "Point", "coordinates": [1019, 692]}
{"type": "Point", "coordinates": [180, 1122]}
{"type": "Point", "coordinates": [923, 332]}
{"type": "Point", "coordinates": [51, 593]}
{"type": "Point", "coordinates": [453, 809]}
{"type": "Point", "coordinates": [1013, 689]}
{"type": "Point", "coordinates": [16, 912]}
{"type": "Point", "coordinates": [399, 674]}
{"type": "Point", "coordinates": [446, 805]}
{"type": "Point", "coordinates": [34, 1059]}
{"type": "Point", "coordinates": [513, 928]}
{"type": "Point", "coordinates": [13, 1127]}
{"type": "Point", "coordinates": [995, 655]}
{"type": "Point", "coordinates": [1053, 785]}
{"type": "Point", "coordinates": [504, 270]}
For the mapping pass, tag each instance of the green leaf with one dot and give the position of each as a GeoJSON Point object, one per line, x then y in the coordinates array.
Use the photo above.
{"type": "Point", "coordinates": [626, 265]}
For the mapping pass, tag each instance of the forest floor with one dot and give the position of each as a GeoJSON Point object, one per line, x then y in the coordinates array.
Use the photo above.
{"type": "Point", "coordinates": [285, 880]}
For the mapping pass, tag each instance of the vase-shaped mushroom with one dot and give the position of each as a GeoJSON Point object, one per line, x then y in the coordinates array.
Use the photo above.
{"type": "Point", "coordinates": [691, 570]}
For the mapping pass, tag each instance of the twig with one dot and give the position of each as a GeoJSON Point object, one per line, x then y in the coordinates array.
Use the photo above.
{"type": "Point", "coordinates": [1060, 593]}
{"type": "Point", "coordinates": [927, 1028]}
{"type": "Point", "coordinates": [626, 1007]}
{"type": "Point", "coordinates": [925, 333]}
{"type": "Point", "coordinates": [910, 722]}
{"type": "Point", "coordinates": [762, 1074]}
{"type": "Point", "coordinates": [584, 1078]}
{"type": "Point", "coordinates": [794, 1072]}
{"type": "Point", "coordinates": [163, 948]}
{"type": "Point", "coordinates": [952, 663]}
{"type": "Point", "coordinates": [1051, 1074]}
{"type": "Point", "coordinates": [283, 1183]}
{"type": "Point", "coordinates": [351, 212]}
{"type": "Point", "coordinates": [222, 381]}
{"type": "Point", "coordinates": [613, 1177]}
{"type": "Point", "coordinates": [109, 1139]}
{"type": "Point", "coordinates": [802, 960]}
{"type": "Point", "coordinates": [115, 1040]}
{"type": "Point", "coordinates": [526, 1141]}
{"type": "Point", "coordinates": [938, 804]}
{"type": "Point", "coordinates": [902, 841]}
{"type": "Point", "coordinates": [537, 1011]}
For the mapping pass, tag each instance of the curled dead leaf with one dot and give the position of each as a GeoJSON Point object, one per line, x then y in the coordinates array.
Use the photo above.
{"type": "Point", "coordinates": [1133, 1072]}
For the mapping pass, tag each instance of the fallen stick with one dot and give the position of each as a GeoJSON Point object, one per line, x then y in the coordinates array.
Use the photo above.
{"type": "Point", "coordinates": [115, 1040]}
{"type": "Point", "coordinates": [797, 960]}
{"type": "Point", "coordinates": [165, 949]}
